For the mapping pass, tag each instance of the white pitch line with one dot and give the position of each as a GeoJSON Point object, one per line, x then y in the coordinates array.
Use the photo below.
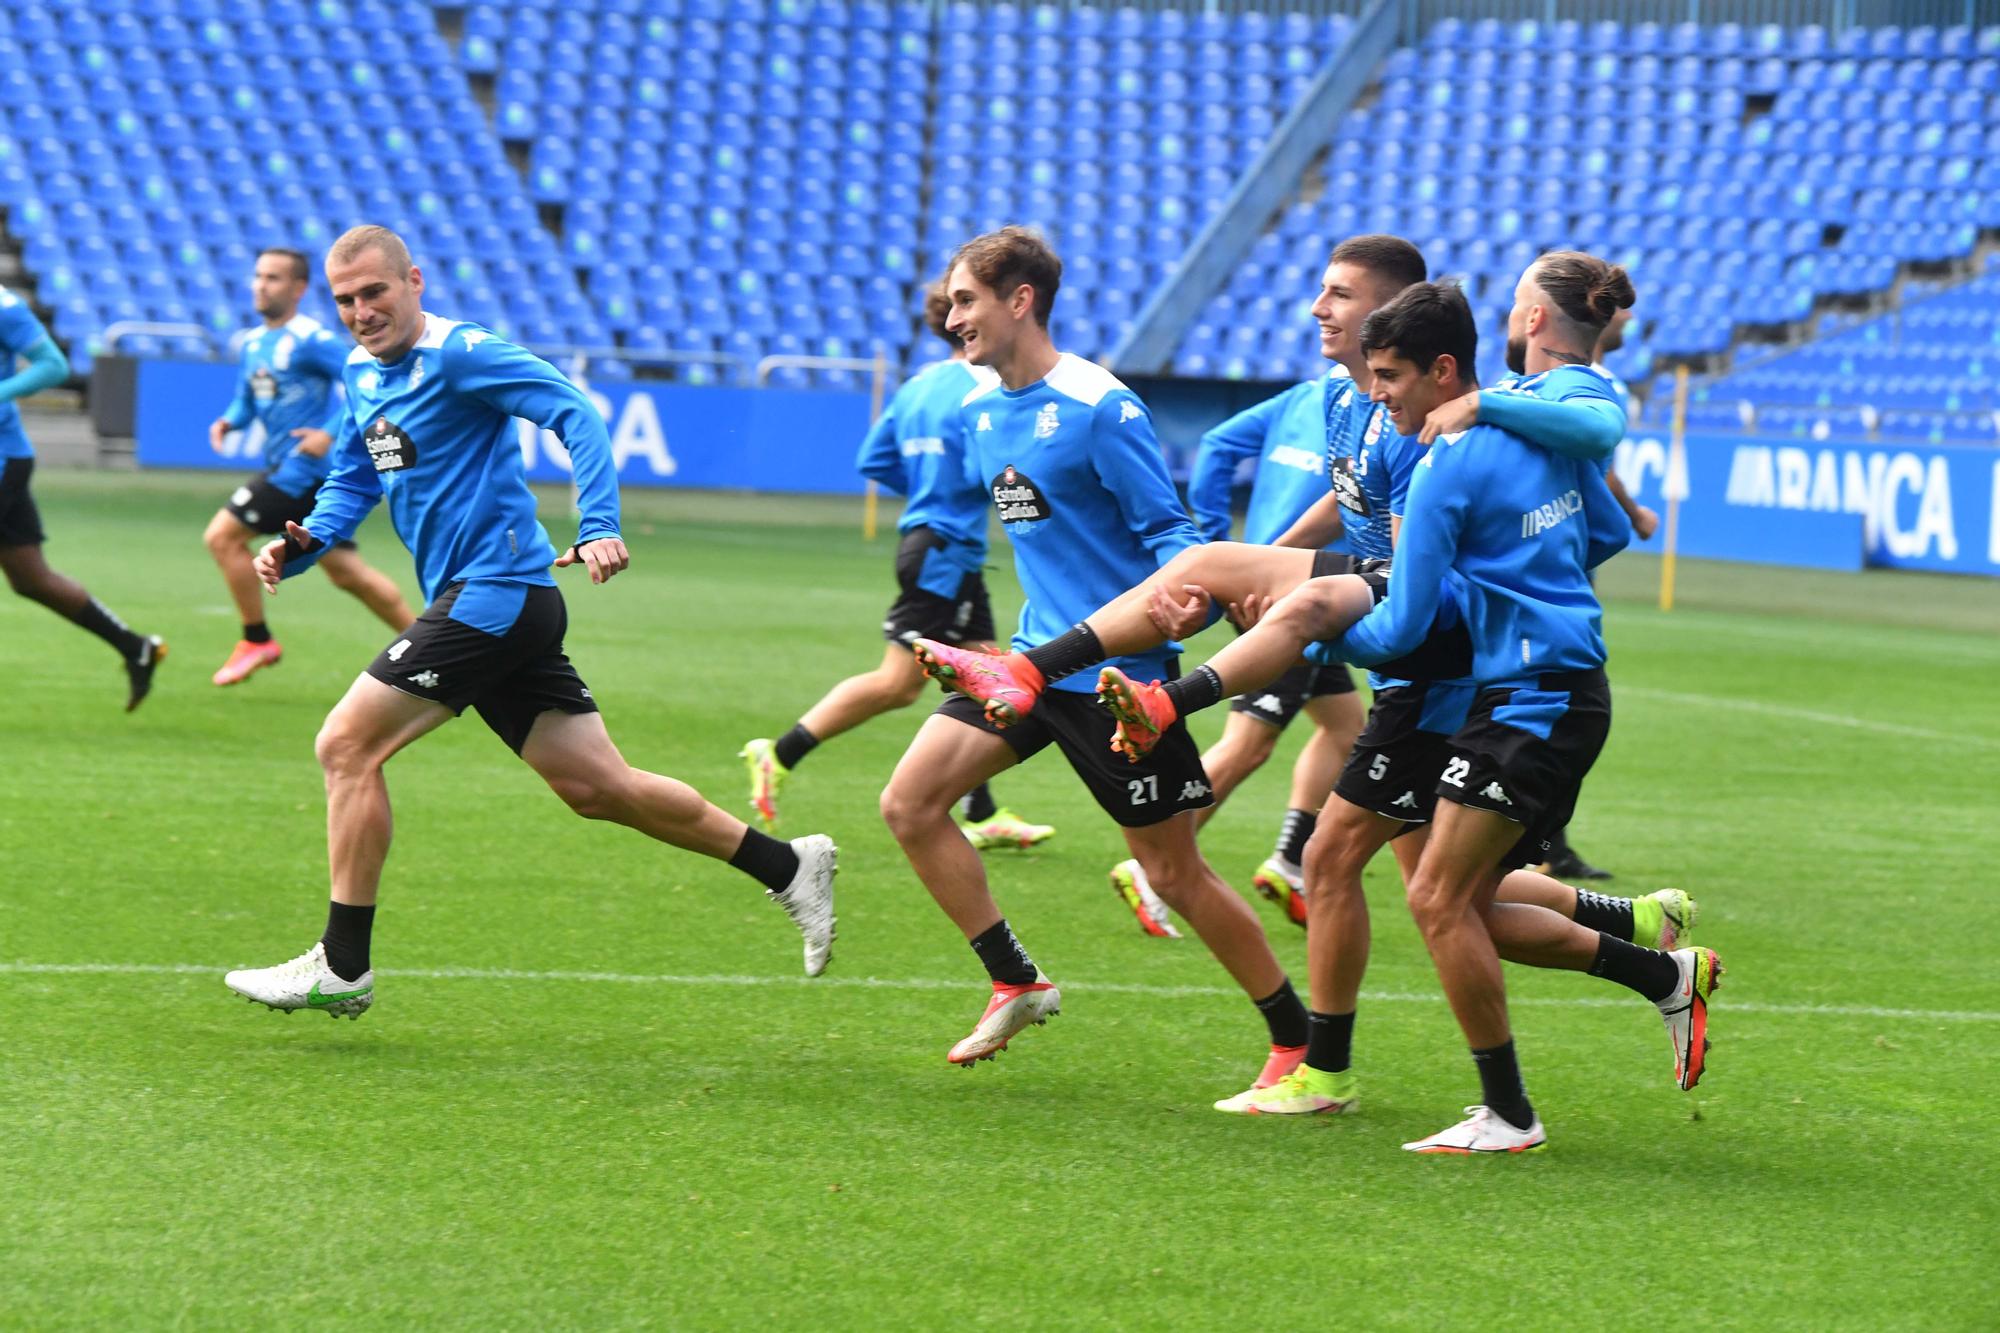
{"type": "Point", "coordinates": [722, 980]}
{"type": "Point", "coordinates": [1805, 715]}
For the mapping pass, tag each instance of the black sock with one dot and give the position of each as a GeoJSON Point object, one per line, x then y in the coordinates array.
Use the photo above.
{"type": "Point", "coordinates": [1067, 653]}
{"type": "Point", "coordinates": [1285, 1016]}
{"type": "Point", "coordinates": [1330, 1045]}
{"type": "Point", "coordinates": [346, 940]}
{"type": "Point", "coordinates": [1500, 1085]}
{"type": "Point", "coordinates": [1006, 961]}
{"type": "Point", "coordinates": [980, 805]}
{"type": "Point", "coordinates": [257, 633]}
{"type": "Point", "coordinates": [1597, 911]}
{"type": "Point", "coordinates": [794, 745]}
{"type": "Point", "coordinates": [1297, 828]}
{"type": "Point", "coordinates": [97, 618]}
{"type": "Point", "coordinates": [1197, 690]}
{"type": "Point", "coordinates": [765, 859]}
{"type": "Point", "coordinates": [1648, 971]}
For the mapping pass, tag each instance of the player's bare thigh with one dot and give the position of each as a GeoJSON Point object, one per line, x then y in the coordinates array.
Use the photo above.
{"type": "Point", "coordinates": [1233, 571]}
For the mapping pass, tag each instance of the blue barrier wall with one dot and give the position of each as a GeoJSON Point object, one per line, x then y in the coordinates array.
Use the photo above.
{"type": "Point", "coordinates": [1825, 503]}
{"type": "Point", "coordinates": [661, 434]}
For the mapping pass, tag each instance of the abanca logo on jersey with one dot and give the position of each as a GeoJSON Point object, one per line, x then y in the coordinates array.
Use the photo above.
{"type": "Point", "coordinates": [1018, 499]}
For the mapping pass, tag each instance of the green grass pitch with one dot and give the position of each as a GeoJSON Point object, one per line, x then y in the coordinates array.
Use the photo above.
{"type": "Point", "coordinates": [627, 1108]}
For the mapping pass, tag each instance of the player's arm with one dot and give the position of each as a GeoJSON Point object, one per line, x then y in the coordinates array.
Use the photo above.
{"type": "Point", "coordinates": [1609, 530]}
{"type": "Point", "coordinates": [1318, 527]}
{"type": "Point", "coordinates": [1644, 521]}
{"type": "Point", "coordinates": [1436, 510]}
{"type": "Point", "coordinates": [43, 366]}
{"type": "Point", "coordinates": [1221, 449]}
{"type": "Point", "coordinates": [1126, 454]}
{"type": "Point", "coordinates": [880, 458]}
{"type": "Point", "coordinates": [1585, 421]}
{"type": "Point", "coordinates": [325, 357]}
{"type": "Point", "coordinates": [515, 381]}
{"type": "Point", "coordinates": [351, 489]}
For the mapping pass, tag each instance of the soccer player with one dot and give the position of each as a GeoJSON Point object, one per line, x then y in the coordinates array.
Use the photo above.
{"type": "Point", "coordinates": [1385, 793]}
{"type": "Point", "coordinates": [1076, 474]}
{"type": "Point", "coordinates": [429, 425]}
{"type": "Point", "coordinates": [1513, 528]}
{"type": "Point", "coordinates": [1286, 435]}
{"type": "Point", "coordinates": [291, 366]}
{"type": "Point", "coordinates": [917, 449]}
{"type": "Point", "coordinates": [24, 343]}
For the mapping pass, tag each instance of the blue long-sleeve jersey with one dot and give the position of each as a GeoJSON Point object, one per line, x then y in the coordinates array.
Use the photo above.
{"type": "Point", "coordinates": [1076, 474]}
{"type": "Point", "coordinates": [1514, 529]}
{"type": "Point", "coordinates": [1358, 436]}
{"type": "Point", "coordinates": [917, 449]}
{"type": "Point", "coordinates": [434, 432]}
{"type": "Point", "coordinates": [22, 337]}
{"type": "Point", "coordinates": [1286, 435]}
{"type": "Point", "coordinates": [287, 382]}
{"type": "Point", "coordinates": [1575, 411]}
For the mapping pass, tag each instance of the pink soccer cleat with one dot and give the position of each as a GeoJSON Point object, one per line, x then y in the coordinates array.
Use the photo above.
{"type": "Point", "coordinates": [1143, 712]}
{"type": "Point", "coordinates": [1007, 685]}
{"type": "Point", "coordinates": [246, 658]}
{"type": "Point", "coordinates": [1010, 1010]}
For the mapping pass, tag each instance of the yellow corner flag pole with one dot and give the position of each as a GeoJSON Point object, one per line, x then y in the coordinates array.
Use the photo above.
{"type": "Point", "coordinates": [871, 502]}
{"type": "Point", "coordinates": [1676, 470]}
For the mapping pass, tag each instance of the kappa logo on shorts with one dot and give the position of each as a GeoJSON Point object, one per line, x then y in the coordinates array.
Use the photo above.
{"type": "Point", "coordinates": [1269, 703]}
{"type": "Point", "coordinates": [397, 649]}
{"type": "Point", "coordinates": [427, 679]}
{"type": "Point", "coordinates": [1492, 792]}
{"type": "Point", "coordinates": [1407, 801]}
{"type": "Point", "coordinates": [1018, 499]}
{"type": "Point", "coordinates": [1192, 789]}
{"type": "Point", "coordinates": [391, 449]}
{"type": "Point", "coordinates": [240, 496]}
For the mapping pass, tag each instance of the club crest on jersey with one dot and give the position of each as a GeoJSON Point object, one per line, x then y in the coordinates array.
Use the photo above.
{"type": "Point", "coordinates": [1045, 421]}
{"type": "Point", "coordinates": [391, 449]}
{"type": "Point", "coordinates": [1347, 489]}
{"type": "Point", "coordinates": [263, 384]}
{"type": "Point", "coordinates": [1017, 498]}
{"type": "Point", "coordinates": [1376, 420]}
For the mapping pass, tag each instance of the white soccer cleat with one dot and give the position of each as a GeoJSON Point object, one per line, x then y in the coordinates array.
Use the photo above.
{"type": "Point", "coordinates": [1128, 880]}
{"type": "Point", "coordinates": [1686, 1012]}
{"type": "Point", "coordinates": [1008, 1012]}
{"type": "Point", "coordinates": [1482, 1132]}
{"type": "Point", "coordinates": [808, 899]}
{"type": "Point", "coordinates": [305, 983]}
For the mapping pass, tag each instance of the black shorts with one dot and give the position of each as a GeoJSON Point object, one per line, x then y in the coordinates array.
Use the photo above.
{"type": "Point", "coordinates": [502, 653]}
{"type": "Point", "coordinates": [1445, 653]}
{"type": "Point", "coordinates": [20, 521]}
{"type": "Point", "coordinates": [917, 614]}
{"type": "Point", "coordinates": [1394, 766]}
{"type": "Point", "coordinates": [1280, 701]}
{"type": "Point", "coordinates": [1523, 753]}
{"type": "Point", "coordinates": [1152, 791]}
{"type": "Point", "coordinates": [265, 509]}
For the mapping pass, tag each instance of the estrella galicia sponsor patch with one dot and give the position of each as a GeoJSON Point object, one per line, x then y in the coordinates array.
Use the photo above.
{"type": "Point", "coordinates": [391, 449]}
{"type": "Point", "coordinates": [263, 384]}
{"type": "Point", "coordinates": [1346, 488]}
{"type": "Point", "coordinates": [1018, 499]}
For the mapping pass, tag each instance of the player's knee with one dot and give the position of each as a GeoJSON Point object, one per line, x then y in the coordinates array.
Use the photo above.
{"type": "Point", "coordinates": [908, 810]}
{"type": "Point", "coordinates": [1178, 879]}
{"type": "Point", "coordinates": [344, 576]}
{"type": "Point", "coordinates": [588, 794]}
{"type": "Point", "coordinates": [340, 751]}
{"type": "Point", "coordinates": [221, 536]}
{"type": "Point", "coordinates": [24, 582]}
{"type": "Point", "coordinates": [1431, 905]}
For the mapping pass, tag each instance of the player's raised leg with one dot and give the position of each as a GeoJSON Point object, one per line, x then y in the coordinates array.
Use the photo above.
{"type": "Point", "coordinates": [29, 575]}
{"type": "Point", "coordinates": [368, 585]}
{"type": "Point", "coordinates": [574, 754]}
